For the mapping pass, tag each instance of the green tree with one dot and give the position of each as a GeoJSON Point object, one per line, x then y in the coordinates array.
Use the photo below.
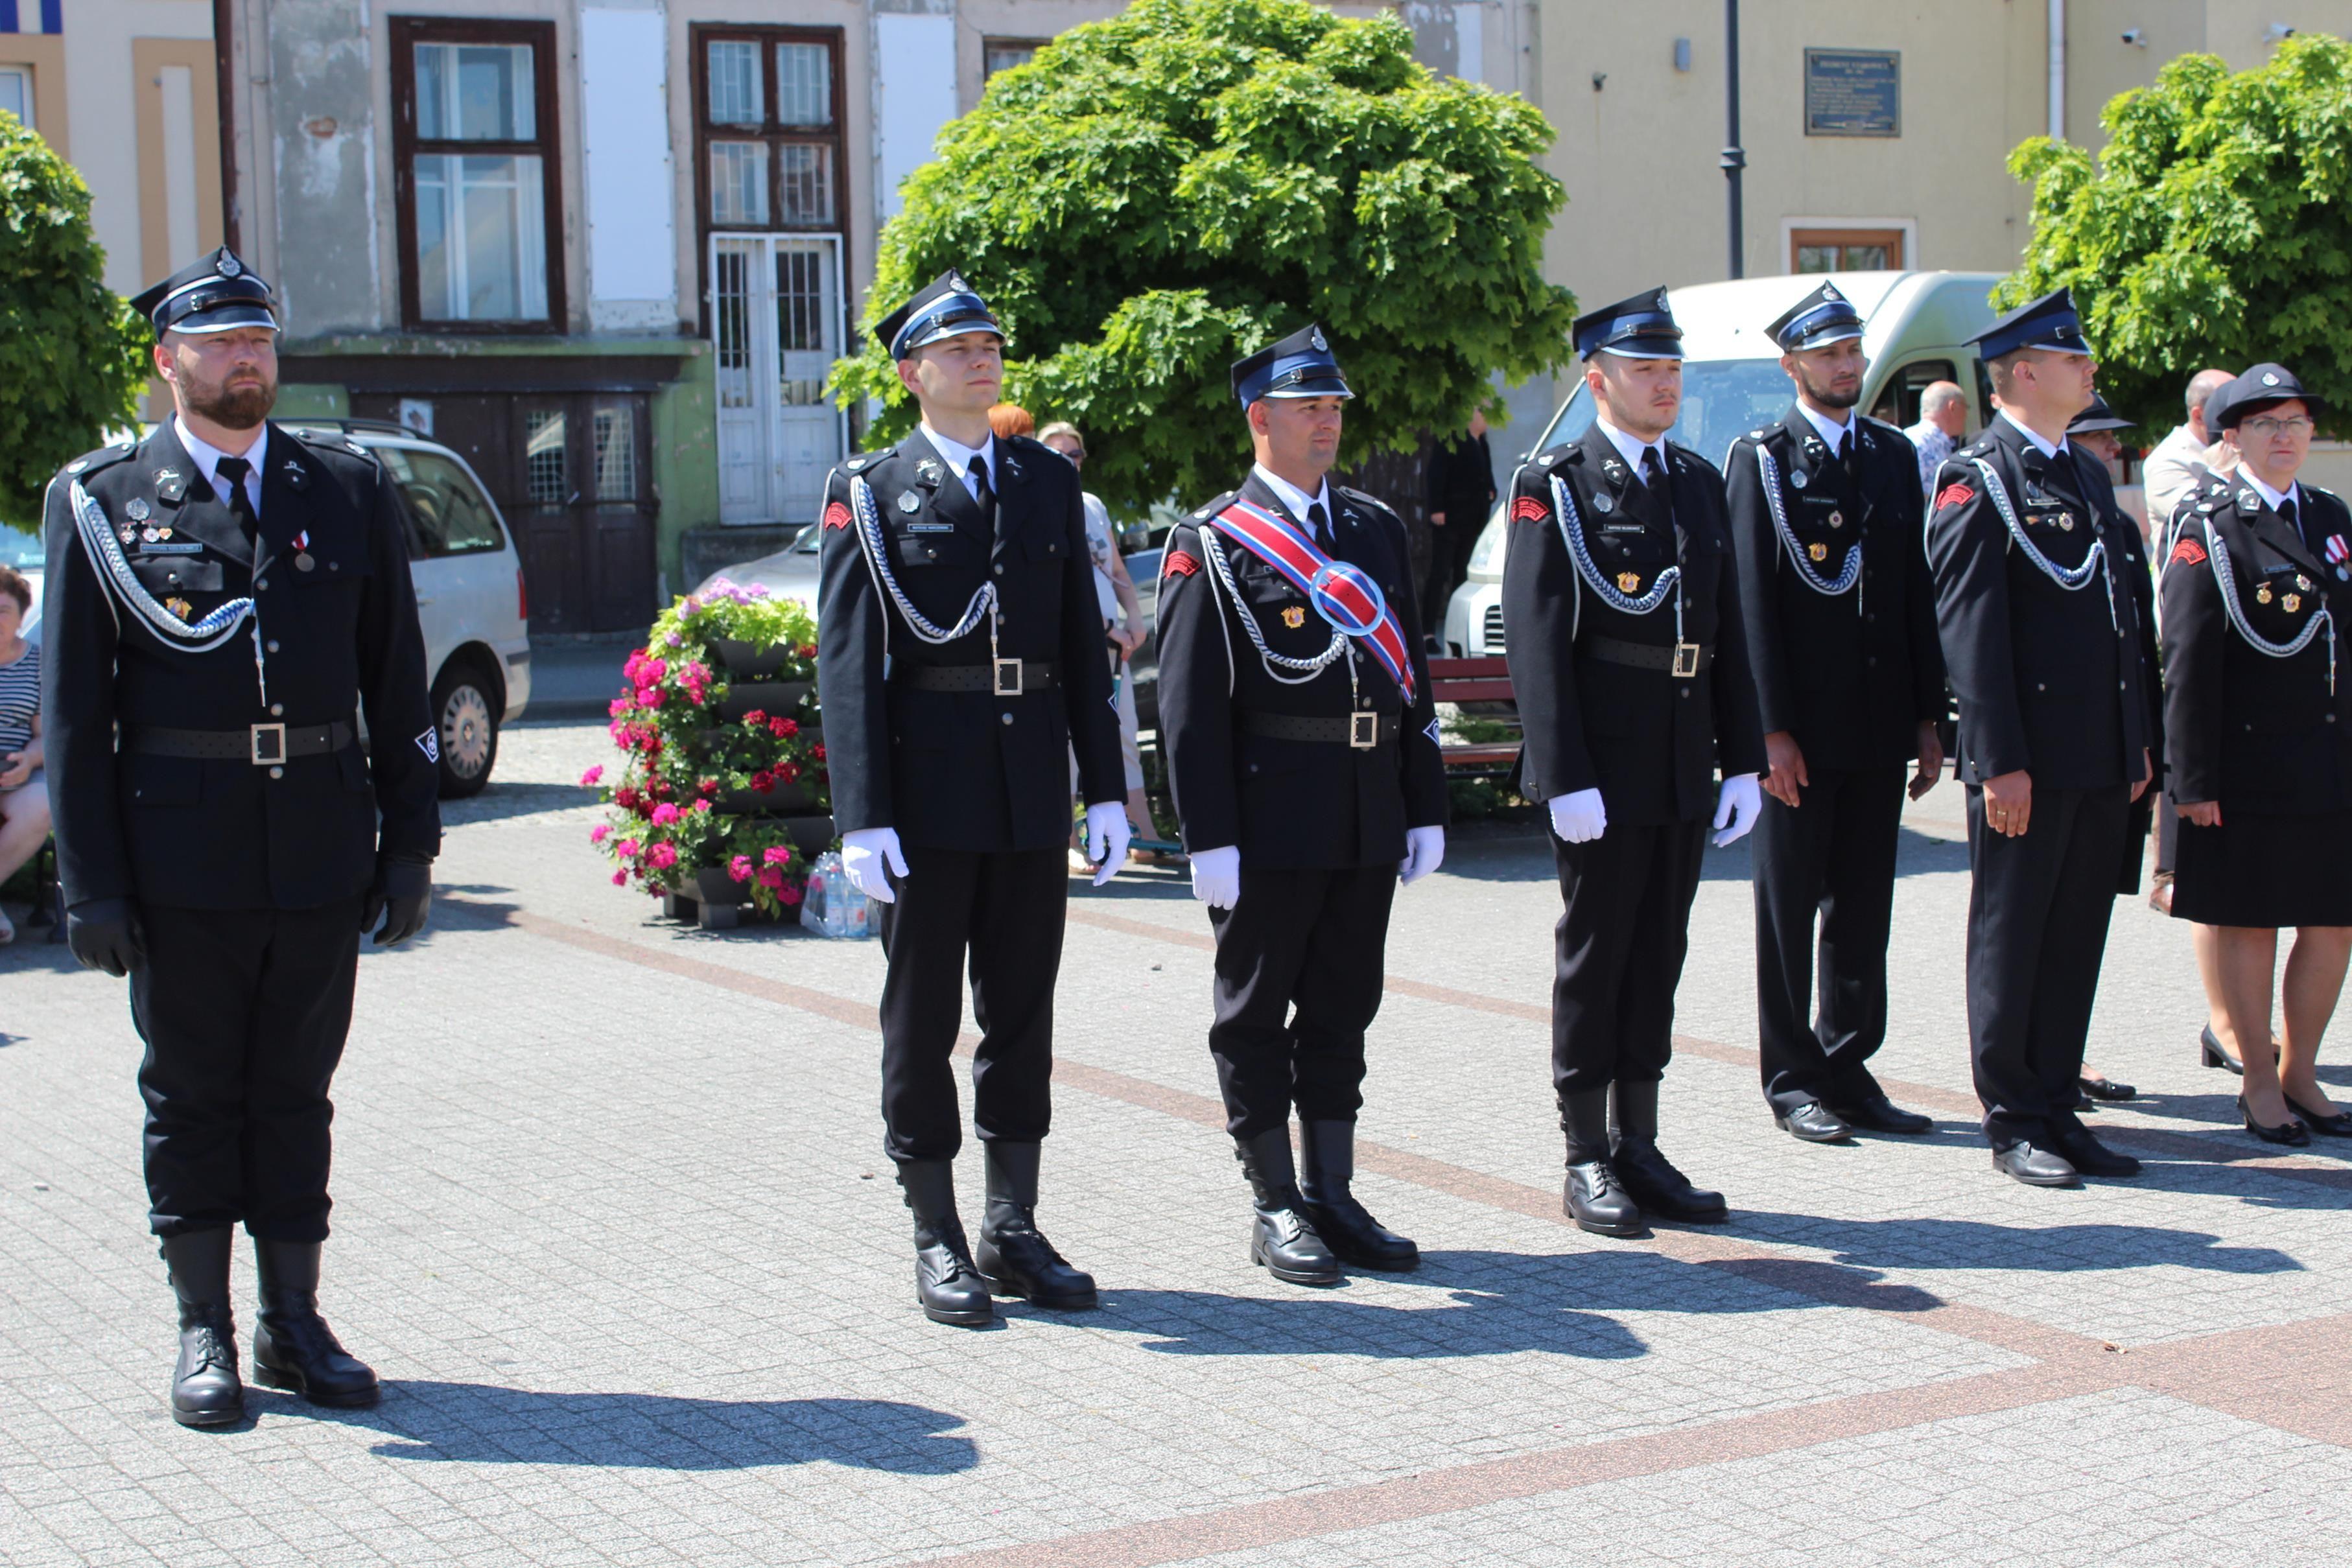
{"type": "Point", "coordinates": [72, 354]}
{"type": "Point", "coordinates": [1160, 194]}
{"type": "Point", "coordinates": [2215, 228]}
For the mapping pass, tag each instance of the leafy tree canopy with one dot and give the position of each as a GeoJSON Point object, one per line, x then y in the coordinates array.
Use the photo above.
{"type": "Point", "coordinates": [72, 354]}
{"type": "Point", "coordinates": [2214, 230]}
{"type": "Point", "coordinates": [1158, 195]}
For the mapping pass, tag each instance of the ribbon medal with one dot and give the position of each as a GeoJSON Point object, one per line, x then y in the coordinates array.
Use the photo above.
{"type": "Point", "coordinates": [1817, 550]}
{"type": "Point", "coordinates": [2337, 554]}
{"type": "Point", "coordinates": [1630, 581]}
{"type": "Point", "coordinates": [1294, 617]}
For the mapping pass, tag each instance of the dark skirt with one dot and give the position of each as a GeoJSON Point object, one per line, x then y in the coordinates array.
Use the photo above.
{"type": "Point", "coordinates": [2264, 869]}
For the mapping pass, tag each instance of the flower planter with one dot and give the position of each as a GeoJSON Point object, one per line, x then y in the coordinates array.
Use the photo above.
{"type": "Point", "coordinates": [811, 835]}
{"type": "Point", "coordinates": [783, 801]}
{"type": "Point", "coordinates": [775, 698]}
{"type": "Point", "coordinates": [749, 661]}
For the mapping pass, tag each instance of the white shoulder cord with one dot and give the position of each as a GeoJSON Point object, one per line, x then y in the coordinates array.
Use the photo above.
{"type": "Point", "coordinates": [869, 540]}
{"type": "Point", "coordinates": [2227, 580]}
{"type": "Point", "coordinates": [1571, 533]}
{"type": "Point", "coordinates": [1308, 668]}
{"type": "Point", "coordinates": [2073, 579]}
{"type": "Point", "coordinates": [123, 584]}
{"type": "Point", "coordinates": [1849, 578]}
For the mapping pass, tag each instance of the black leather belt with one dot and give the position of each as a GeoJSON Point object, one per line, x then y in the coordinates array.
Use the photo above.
{"type": "Point", "coordinates": [1682, 660]}
{"type": "Point", "coordinates": [998, 678]}
{"type": "Point", "coordinates": [1361, 730]}
{"type": "Point", "coordinates": [260, 744]}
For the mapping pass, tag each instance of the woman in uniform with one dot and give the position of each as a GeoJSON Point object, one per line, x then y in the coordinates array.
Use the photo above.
{"type": "Point", "coordinates": [2257, 735]}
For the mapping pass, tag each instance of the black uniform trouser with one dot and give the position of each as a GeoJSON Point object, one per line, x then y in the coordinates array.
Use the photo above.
{"type": "Point", "coordinates": [2038, 911]}
{"type": "Point", "coordinates": [1833, 855]}
{"type": "Point", "coordinates": [1299, 975]}
{"type": "Point", "coordinates": [244, 1012]}
{"type": "Point", "coordinates": [1005, 909]}
{"type": "Point", "coordinates": [1625, 926]}
{"type": "Point", "coordinates": [1450, 545]}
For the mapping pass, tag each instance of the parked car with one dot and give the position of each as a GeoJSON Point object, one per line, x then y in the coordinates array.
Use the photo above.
{"type": "Point", "coordinates": [1916, 327]}
{"type": "Point", "coordinates": [790, 573]}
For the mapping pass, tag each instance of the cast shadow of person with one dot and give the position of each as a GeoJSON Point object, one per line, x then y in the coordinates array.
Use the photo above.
{"type": "Point", "coordinates": [1930, 1242]}
{"type": "Point", "coordinates": [477, 1422]}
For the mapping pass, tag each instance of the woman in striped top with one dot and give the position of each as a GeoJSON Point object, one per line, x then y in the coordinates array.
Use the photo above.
{"type": "Point", "coordinates": [24, 798]}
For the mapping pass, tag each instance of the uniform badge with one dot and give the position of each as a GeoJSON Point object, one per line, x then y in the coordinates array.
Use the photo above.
{"type": "Point", "coordinates": [1295, 616]}
{"type": "Point", "coordinates": [1603, 502]}
{"type": "Point", "coordinates": [2190, 552]}
{"type": "Point", "coordinates": [929, 471]}
{"type": "Point", "coordinates": [430, 743]}
{"type": "Point", "coordinates": [2065, 522]}
{"type": "Point", "coordinates": [1528, 509]}
{"type": "Point", "coordinates": [2293, 602]}
{"type": "Point", "coordinates": [1837, 520]}
{"type": "Point", "coordinates": [909, 502]}
{"type": "Point", "coordinates": [135, 509]}
{"type": "Point", "coordinates": [836, 515]}
{"type": "Point", "coordinates": [1954, 496]}
{"type": "Point", "coordinates": [2303, 582]}
{"type": "Point", "coordinates": [128, 533]}
{"type": "Point", "coordinates": [1818, 551]}
{"type": "Point", "coordinates": [1180, 564]}
{"type": "Point", "coordinates": [1629, 581]}
{"type": "Point", "coordinates": [178, 607]}
{"type": "Point", "coordinates": [150, 535]}
{"type": "Point", "coordinates": [2263, 594]}
{"type": "Point", "coordinates": [2247, 499]}
{"type": "Point", "coordinates": [303, 562]}
{"type": "Point", "coordinates": [228, 267]}
{"type": "Point", "coordinates": [1799, 478]}
{"type": "Point", "coordinates": [1315, 336]}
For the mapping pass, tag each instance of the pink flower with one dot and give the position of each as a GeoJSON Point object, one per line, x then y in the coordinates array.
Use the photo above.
{"type": "Point", "coordinates": [663, 856]}
{"type": "Point", "coordinates": [594, 776]}
{"type": "Point", "coordinates": [621, 706]}
{"type": "Point", "coordinates": [739, 868]}
{"type": "Point", "coordinates": [702, 805]}
{"type": "Point", "coordinates": [695, 669]}
{"type": "Point", "coordinates": [620, 879]}
{"type": "Point", "coordinates": [771, 877]}
{"type": "Point", "coordinates": [665, 814]}
{"type": "Point", "coordinates": [648, 697]}
{"type": "Point", "coordinates": [675, 639]}
{"type": "Point", "coordinates": [791, 894]}
{"type": "Point", "coordinates": [777, 855]}
{"type": "Point", "coordinates": [599, 833]}
{"type": "Point", "coordinates": [627, 849]}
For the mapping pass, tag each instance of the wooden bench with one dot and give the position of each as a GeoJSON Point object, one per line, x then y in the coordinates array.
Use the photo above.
{"type": "Point", "coordinates": [1465, 681]}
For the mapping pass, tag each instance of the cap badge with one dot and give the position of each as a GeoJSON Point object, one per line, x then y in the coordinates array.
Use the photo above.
{"type": "Point", "coordinates": [1315, 337]}
{"type": "Point", "coordinates": [1295, 617]}
{"type": "Point", "coordinates": [1629, 581]}
{"type": "Point", "coordinates": [956, 282]}
{"type": "Point", "coordinates": [229, 266]}
{"type": "Point", "coordinates": [2269, 379]}
{"type": "Point", "coordinates": [909, 502]}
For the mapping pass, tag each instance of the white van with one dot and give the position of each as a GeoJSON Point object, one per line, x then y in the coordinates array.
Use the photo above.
{"type": "Point", "coordinates": [1916, 327]}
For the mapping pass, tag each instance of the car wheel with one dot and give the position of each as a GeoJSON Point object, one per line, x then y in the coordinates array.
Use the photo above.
{"type": "Point", "coordinates": [467, 720]}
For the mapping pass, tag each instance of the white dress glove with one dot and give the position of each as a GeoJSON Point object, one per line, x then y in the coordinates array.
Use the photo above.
{"type": "Point", "coordinates": [1106, 838]}
{"type": "Point", "coordinates": [1424, 851]}
{"type": "Point", "coordinates": [863, 855]}
{"type": "Point", "coordinates": [1217, 876]}
{"type": "Point", "coordinates": [1580, 818]}
{"type": "Point", "coordinates": [1735, 806]}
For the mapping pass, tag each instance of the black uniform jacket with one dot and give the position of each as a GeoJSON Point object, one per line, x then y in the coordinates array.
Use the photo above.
{"type": "Point", "coordinates": [1649, 740]}
{"type": "Point", "coordinates": [1851, 675]}
{"type": "Point", "coordinates": [1291, 804]}
{"type": "Point", "coordinates": [2255, 732]}
{"type": "Point", "coordinates": [340, 637]}
{"type": "Point", "coordinates": [2049, 680]}
{"type": "Point", "coordinates": [963, 770]}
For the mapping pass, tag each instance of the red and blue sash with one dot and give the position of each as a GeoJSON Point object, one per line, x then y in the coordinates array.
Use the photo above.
{"type": "Point", "coordinates": [1340, 593]}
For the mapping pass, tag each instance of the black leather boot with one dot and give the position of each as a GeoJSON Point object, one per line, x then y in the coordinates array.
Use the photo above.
{"type": "Point", "coordinates": [293, 1348]}
{"type": "Point", "coordinates": [1346, 1226]}
{"type": "Point", "coordinates": [1282, 1237]}
{"type": "Point", "coordinates": [205, 1387]}
{"type": "Point", "coordinates": [946, 1286]}
{"type": "Point", "coordinates": [1655, 1185]}
{"type": "Point", "coordinates": [1014, 1256]}
{"type": "Point", "coordinates": [1591, 1195]}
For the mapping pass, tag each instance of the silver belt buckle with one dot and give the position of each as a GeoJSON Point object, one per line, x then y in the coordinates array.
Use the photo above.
{"type": "Point", "coordinates": [1006, 675]}
{"type": "Point", "coordinates": [1686, 663]}
{"type": "Point", "coordinates": [270, 736]}
{"type": "Point", "coordinates": [1363, 730]}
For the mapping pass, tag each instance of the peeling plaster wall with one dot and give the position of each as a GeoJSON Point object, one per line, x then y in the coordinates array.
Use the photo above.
{"type": "Point", "coordinates": [322, 145]}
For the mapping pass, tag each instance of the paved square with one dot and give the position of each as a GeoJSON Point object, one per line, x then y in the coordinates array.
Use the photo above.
{"type": "Point", "coordinates": [614, 1224]}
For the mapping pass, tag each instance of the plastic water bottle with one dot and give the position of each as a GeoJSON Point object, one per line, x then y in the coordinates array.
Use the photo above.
{"type": "Point", "coordinates": [814, 903]}
{"type": "Point", "coordinates": [860, 910]}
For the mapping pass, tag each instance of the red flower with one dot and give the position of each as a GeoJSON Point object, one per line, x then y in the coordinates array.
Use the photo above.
{"type": "Point", "coordinates": [772, 878]}
{"type": "Point", "coordinates": [763, 780]}
{"type": "Point", "coordinates": [777, 854]}
{"type": "Point", "coordinates": [708, 786]}
{"type": "Point", "coordinates": [755, 718]}
{"type": "Point", "coordinates": [784, 729]}
{"type": "Point", "coordinates": [789, 772]}
{"type": "Point", "coordinates": [818, 751]}
{"type": "Point", "coordinates": [789, 894]}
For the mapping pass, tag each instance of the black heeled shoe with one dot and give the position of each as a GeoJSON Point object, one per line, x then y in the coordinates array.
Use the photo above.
{"type": "Point", "coordinates": [2290, 1133]}
{"type": "Point", "coordinates": [2212, 1054]}
{"type": "Point", "coordinates": [2106, 1089]}
{"type": "Point", "coordinates": [2338, 1125]}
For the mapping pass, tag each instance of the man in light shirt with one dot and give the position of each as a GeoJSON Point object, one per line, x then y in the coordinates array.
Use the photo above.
{"type": "Point", "coordinates": [2169, 469]}
{"type": "Point", "coordinates": [1943, 420]}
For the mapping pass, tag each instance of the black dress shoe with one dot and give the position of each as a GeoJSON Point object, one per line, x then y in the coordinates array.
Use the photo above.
{"type": "Point", "coordinates": [2034, 1168]}
{"type": "Point", "coordinates": [1015, 1259]}
{"type": "Point", "coordinates": [1283, 1240]}
{"type": "Point", "coordinates": [2091, 1157]}
{"type": "Point", "coordinates": [1813, 1122]}
{"type": "Point", "coordinates": [1592, 1198]}
{"type": "Point", "coordinates": [946, 1287]}
{"type": "Point", "coordinates": [2289, 1134]}
{"type": "Point", "coordinates": [1346, 1226]}
{"type": "Point", "coordinates": [2210, 1052]}
{"type": "Point", "coordinates": [2338, 1125]}
{"type": "Point", "coordinates": [293, 1348]}
{"type": "Point", "coordinates": [1877, 1114]}
{"type": "Point", "coordinates": [2106, 1089]}
{"type": "Point", "coordinates": [205, 1387]}
{"type": "Point", "coordinates": [1646, 1175]}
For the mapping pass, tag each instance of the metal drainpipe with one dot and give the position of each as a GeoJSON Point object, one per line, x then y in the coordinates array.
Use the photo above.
{"type": "Point", "coordinates": [2058, 70]}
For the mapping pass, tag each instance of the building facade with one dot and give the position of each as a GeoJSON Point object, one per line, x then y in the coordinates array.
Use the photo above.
{"type": "Point", "coordinates": [608, 248]}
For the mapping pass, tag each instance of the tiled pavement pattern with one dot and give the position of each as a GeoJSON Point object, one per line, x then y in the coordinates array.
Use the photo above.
{"type": "Point", "coordinates": [613, 1223]}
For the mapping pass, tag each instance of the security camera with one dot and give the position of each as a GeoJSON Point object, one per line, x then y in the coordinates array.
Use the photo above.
{"type": "Point", "coordinates": [2277, 33]}
{"type": "Point", "coordinates": [2137, 36]}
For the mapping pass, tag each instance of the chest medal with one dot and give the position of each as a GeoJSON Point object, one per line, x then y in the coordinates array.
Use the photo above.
{"type": "Point", "coordinates": [1629, 582]}
{"type": "Point", "coordinates": [1818, 551]}
{"type": "Point", "coordinates": [1295, 616]}
{"type": "Point", "coordinates": [2293, 601]}
{"type": "Point", "coordinates": [908, 502]}
{"type": "Point", "coordinates": [1603, 502]}
{"type": "Point", "coordinates": [2263, 594]}
{"type": "Point", "coordinates": [178, 607]}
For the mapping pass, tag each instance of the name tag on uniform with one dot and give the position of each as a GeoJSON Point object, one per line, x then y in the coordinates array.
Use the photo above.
{"type": "Point", "coordinates": [1625, 527]}
{"type": "Point", "coordinates": [931, 528]}
{"type": "Point", "coordinates": [173, 547]}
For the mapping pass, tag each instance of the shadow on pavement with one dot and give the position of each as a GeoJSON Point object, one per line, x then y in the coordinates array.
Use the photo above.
{"type": "Point", "coordinates": [1926, 1242]}
{"type": "Point", "coordinates": [484, 1424]}
{"type": "Point", "coordinates": [499, 802]}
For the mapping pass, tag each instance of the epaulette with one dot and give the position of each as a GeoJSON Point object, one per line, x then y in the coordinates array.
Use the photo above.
{"type": "Point", "coordinates": [1693, 454]}
{"type": "Point", "coordinates": [1214, 508]}
{"type": "Point", "coordinates": [866, 460]}
{"type": "Point", "coordinates": [1884, 427]}
{"type": "Point", "coordinates": [105, 457]}
{"type": "Point", "coordinates": [1366, 498]}
{"type": "Point", "coordinates": [333, 441]}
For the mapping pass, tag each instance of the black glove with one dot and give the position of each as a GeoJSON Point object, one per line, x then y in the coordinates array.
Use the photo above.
{"type": "Point", "coordinates": [400, 895]}
{"type": "Point", "coordinates": [104, 935]}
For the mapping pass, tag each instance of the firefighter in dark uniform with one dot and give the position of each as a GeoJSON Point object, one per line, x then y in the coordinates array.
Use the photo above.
{"type": "Point", "coordinates": [2258, 722]}
{"type": "Point", "coordinates": [1302, 749]}
{"type": "Point", "coordinates": [1630, 670]}
{"type": "Point", "coordinates": [226, 600]}
{"type": "Point", "coordinates": [2054, 663]}
{"type": "Point", "coordinates": [960, 662]}
{"type": "Point", "coordinates": [1840, 620]}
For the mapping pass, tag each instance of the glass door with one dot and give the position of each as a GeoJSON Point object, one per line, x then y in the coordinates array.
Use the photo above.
{"type": "Point", "coordinates": [776, 328]}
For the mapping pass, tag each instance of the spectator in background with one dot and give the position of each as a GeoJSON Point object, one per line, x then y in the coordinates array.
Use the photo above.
{"type": "Point", "coordinates": [2169, 470]}
{"type": "Point", "coordinates": [1461, 493]}
{"type": "Point", "coordinates": [1943, 418]}
{"type": "Point", "coordinates": [1123, 627]}
{"type": "Point", "coordinates": [24, 798]}
{"type": "Point", "coordinates": [2093, 431]}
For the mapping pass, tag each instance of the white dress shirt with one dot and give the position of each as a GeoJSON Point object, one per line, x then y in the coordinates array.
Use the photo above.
{"type": "Point", "coordinates": [207, 457]}
{"type": "Point", "coordinates": [1296, 499]}
{"type": "Point", "coordinates": [1834, 434]}
{"type": "Point", "coordinates": [2277, 498]}
{"type": "Point", "coordinates": [2039, 445]}
{"type": "Point", "coordinates": [1631, 447]}
{"type": "Point", "coordinates": [959, 457]}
